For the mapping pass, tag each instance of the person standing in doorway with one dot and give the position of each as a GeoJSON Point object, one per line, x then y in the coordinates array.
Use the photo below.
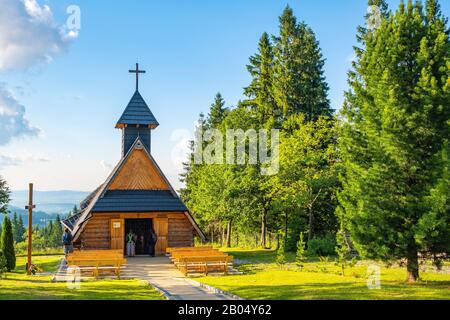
{"type": "Point", "coordinates": [67, 242]}
{"type": "Point", "coordinates": [131, 244]}
{"type": "Point", "coordinates": [152, 242]}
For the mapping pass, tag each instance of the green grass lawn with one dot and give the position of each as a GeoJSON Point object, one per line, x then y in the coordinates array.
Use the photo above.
{"type": "Point", "coordinates": [19, 286]}
{"type": "Point", "coordinates": [263, 279]}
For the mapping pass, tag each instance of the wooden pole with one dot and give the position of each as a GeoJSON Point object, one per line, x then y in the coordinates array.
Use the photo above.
{"type": "Point", "coordinates": [30, 207]}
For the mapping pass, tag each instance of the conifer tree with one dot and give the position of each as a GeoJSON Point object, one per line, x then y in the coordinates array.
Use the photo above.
{"type": "Point", "coordinates": [15, 224]}
{"type": "Point", "coordinates": [57, 232]}
{"type": "Point", "coordinates": [21, 229]}
{"type": "Point", "coordinates": [4, 196]}
{"type": "Point", "coordinates": [301, 250]}
{"type": "Point", "coordinates": [8, 244]}
{"type": "Point", "coordinates": [217, 112]}
{"type": "Point", "coordinates": [299, 84]}
{"type": "Point", "coordinates": [260, 89]}
{"type": "Point", "coordinates": [281, 254]}
{"type": "Point", "coordinates": [394, 136]}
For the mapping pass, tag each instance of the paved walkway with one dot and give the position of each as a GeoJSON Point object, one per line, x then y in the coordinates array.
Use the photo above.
{"type": "Point", "coordinates": [160, 273]}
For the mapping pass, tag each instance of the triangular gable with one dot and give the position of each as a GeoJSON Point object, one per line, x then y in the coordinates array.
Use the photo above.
{"type": "Point", "coordinates": [137, 145]}
{"type": "Point", "coordinates": [139, 172]}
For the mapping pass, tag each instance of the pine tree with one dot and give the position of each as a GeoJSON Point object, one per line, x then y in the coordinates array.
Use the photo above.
{"type": "Point", "coordinates": [8, 244]}
{"type": "Point", "coordinates": [300, 257]}
{"type": "Point", "coordinates": [281, 253]}
{"type": "Point", "coordinates": [4, 196]}
{"type": "Point", "coordinates": [393, 136]}
{"type": "Point", "coordinates": [217, 112]}
{"type": "Point", "coordinates": [15, 227]}
{"type": "Point", "coordinates": [260, 89]}
{"type": "Point", "coordinates": [57, 232]}
{"type": "Point", "coordinates": [299, 84]}
{"type": "Point", "coordinates": [21, 230]}
{"type": "Point", "coordinates": [342, 248]}
{"type": "Point", "coordinates": [3, 264]}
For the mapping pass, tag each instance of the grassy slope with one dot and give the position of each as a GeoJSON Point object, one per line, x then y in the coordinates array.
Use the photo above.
{"type": "Point", "coordinates": [19, 286]}
{"type": "Point", "coordinates": [263, 279]}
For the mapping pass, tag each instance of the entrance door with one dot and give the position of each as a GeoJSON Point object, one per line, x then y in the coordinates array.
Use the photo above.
{"type": "Point", "coordinates": [116, 233]}
{"type": "Point", "coordinates": [141, 228]}
{"type": "Point", "coordinates": [161, 227]}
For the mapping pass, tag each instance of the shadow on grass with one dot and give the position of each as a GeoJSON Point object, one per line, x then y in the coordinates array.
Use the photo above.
{"type": "Point", "coordinates": [342, 291]}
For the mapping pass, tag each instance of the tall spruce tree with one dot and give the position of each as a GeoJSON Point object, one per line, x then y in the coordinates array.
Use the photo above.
{"type": "Point", "coordinates": [299, 84]}
{"type": "Point", "coordinates": [15, 224]}
{"type": "Point", "coordinates": [217, 112]}
{"type": "Point", "coordinates": [20, 229]}
{"type": "Point", "coordinates": [260, 90]}
{"type": "Point", "coordinates": [4, 196]}
{"type": "Point", "coordinates": [394, 138]}
{"type": "Point", "coordinates": [7, 244]}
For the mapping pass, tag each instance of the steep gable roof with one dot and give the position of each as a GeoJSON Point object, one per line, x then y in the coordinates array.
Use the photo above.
{"type": "Point", "coordinates": [139, 172]}
{"type": "Point", "coordinates": [101, 193]}
{"type": "Point", "coordinates": [137, 113]}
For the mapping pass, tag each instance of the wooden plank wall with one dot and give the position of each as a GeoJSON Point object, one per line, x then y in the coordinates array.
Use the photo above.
{"type": "Point", "coordinates": [181, 232]}
{"type": "Point", "coordinates": [97, 233]}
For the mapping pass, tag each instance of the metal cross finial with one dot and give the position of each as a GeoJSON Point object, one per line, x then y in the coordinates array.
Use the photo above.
{"type": "Point", "coordinates": [137, 71]}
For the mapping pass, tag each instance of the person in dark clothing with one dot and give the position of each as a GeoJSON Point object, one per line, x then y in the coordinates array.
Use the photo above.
{"type": "Point", "coordinates": [152, 242]}
{"type": "Point", "coordinates": [67, 242]}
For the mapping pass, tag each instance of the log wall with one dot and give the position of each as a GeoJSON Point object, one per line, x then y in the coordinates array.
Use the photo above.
{"type": "Point", "coordinates": [180, 232]}
{"type": "Point", "coordinates": [97, 232]}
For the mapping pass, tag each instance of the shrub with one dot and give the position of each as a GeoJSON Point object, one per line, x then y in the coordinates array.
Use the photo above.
{"type": "Point", "coordinates": [281, 255]}
{"type": "Point", "coordinates": [8, 244]}
{"type": "Point", "coordinates": [322, 246]}
{"type": "Point", "coordinates": [2, 264]}
{"type": "Point", "coordinates": [300, 256]}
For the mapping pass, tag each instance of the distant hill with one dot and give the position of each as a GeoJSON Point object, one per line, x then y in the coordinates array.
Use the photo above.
{"type": "Point", "coordinates": [50, 202]}
{"type": "Point", "coordinates": [39, 217]}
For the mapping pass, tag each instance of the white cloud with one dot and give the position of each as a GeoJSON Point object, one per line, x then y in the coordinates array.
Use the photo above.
{"type": "Point", "coordinates": [8, 161]}
{"type": "Point", "coordinates": [13, 123]}
{"type": "Point", "coordinates": [29, 34]}
{"type": "Point", "coordinates": [106, 166]}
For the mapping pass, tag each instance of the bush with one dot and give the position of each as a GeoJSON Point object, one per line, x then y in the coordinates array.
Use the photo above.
{"type": "Point", "coordinates": [281, 255]}
{"type": "Point", "coordinates": [322, 246]}
{"type": "Point", "coordinates": [8, 244]}
{"type": "Point", "coordinates": [2, 264]}
{"type": "Point", "coordinates": [300, 255]}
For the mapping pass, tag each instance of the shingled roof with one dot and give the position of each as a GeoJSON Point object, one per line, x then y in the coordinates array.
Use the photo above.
{"type": "Point", "coordinates": [138, 201]}
{"type": "Point", "coordinates": [137, 113]}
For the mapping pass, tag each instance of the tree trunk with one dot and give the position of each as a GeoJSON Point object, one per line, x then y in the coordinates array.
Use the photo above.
{"type": "Point", "coordinates": [212, 234]}
{"type": "Point", "coordinates": [270, 240]}
{"type": "Point", "coordinates": [263, 229]}
{"type": "Point", "coordinates": [223, 236]}
{"type": "Point", "coordinates": [412, 264]}
{"type": "Point", "coordinates": [228, 242]}
{"type": "Point", "coordinates": [286, 224]}
{"type": "Point", "coordinates": [310, 223]}
{"type": "Point", "coordinates": [278, 241]}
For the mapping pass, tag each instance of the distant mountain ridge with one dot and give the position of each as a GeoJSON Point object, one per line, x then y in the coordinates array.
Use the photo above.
{"type": "Point", "coordinates": [50, 202]}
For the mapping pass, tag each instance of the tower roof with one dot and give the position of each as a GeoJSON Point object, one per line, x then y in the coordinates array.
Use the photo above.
{"type": "Point", "coordinates": [137, 113]}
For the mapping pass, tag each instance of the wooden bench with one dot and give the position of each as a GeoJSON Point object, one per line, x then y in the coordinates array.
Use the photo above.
{"type": "Point", "coordinates": [178, 255]}
{"type": "Point", "coordinates": [170, 250]}
{"type": "Point", "coordinates": [97, 260]}
{"type": "Point", "coordinates": [204, 264]}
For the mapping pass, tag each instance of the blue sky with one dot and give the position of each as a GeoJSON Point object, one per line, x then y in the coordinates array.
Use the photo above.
{"type": "Point", "coordinates": [190, 49]}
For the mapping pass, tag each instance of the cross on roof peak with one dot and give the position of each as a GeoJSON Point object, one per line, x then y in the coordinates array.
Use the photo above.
{"type": "Point", "coordinates": [137, 71]}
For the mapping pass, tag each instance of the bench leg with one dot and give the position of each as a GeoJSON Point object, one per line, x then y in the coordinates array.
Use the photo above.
{"type": "Point", "coordinates": [206, 268]}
